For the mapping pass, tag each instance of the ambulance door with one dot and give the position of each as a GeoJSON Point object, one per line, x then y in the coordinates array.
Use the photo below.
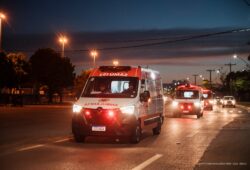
{"type": "Point", "coordinates": [159, 95]}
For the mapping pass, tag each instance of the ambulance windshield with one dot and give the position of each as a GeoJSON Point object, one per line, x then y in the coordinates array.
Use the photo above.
{"type": "Point", "coordinates": [187, 94]}
{"type": "Point", "coordinates": [111, 87]}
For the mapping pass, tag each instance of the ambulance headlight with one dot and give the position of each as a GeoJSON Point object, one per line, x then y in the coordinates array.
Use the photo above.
{"type": "Point", "coordinates": [175, 104]}
{"type": "Point", "coordinates": [197, 104]}
{"type": "Point", "coordinates": [128, 110]}
{"type": "Point", "coordinates": [77, 108]}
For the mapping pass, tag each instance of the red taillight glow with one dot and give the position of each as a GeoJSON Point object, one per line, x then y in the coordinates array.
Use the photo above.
{"type": "Point", "coordinates": [87, 113]}
{"type": "Point", "coordinates": [111, 114]}
{"type": "Point", "coordinates": [189, 107]}
{"type": "Point", "coordinates": [182, 107]}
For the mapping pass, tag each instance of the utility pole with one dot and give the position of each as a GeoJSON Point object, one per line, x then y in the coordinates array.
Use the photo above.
{"type": "Point", "coordinates": [210, 76]}
{"type": "Point", "coordinates": [195, 75]}
{"type": "Point", "coordinates": [230, 66]}
{"type": "Point", "coordinates": [230, 70]}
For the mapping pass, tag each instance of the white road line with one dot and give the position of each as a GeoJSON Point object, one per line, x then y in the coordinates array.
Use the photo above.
{"type": "Point", "coordinates": [192, 134]}
{"type": "Point", "coordinates": [30, 147]}
{"type": "Point", "coordinates": [62, 140]}
{"type": "Point", "coordinates": [147, 162]}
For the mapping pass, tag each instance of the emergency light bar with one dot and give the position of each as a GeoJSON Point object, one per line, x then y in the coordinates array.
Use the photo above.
{"type": "Point", "coordinates": [114, 68]}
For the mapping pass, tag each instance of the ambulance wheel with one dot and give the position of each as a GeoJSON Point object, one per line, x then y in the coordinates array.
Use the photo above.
{"type": "Point", "coordinates": [136, 134]}
{"type": "Point", "coordinates": [79, 138]}
{"type": "Point", "coordinates": [199, 115]}
{"type": "Point", "coordinates": [157, 129]}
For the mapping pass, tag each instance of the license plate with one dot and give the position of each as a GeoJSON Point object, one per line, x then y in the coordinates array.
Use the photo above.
{"type": "Point", "coordinates": [185, 111]}
{"type": "Point", "coordinates": [99, 128]}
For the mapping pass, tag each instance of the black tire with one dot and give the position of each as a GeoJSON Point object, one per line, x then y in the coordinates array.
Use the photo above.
{"type": "Point", "coordinates": [198, 116]}
{"type": "Point", "coordinates": [79, 138]}
{"type": "Point", "coordinates": [136, 134]}
{"type": "Point", "coordinates": [157, 130]}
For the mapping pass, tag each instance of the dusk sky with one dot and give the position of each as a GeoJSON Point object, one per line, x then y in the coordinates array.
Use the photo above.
{"type": "Point", "coordinates": [97, 24]}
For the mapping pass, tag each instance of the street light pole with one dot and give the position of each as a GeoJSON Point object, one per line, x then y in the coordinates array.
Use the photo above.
{"type": "Point", "coordinates": [230, 70]}
{"type": "Point", "coordinates": [63, 40]}
{"type": "Point", "coordinates": [115, 62]}
{"type": "Point", "coordinates": [2, 17]}
{"type": "Point", "coordinates": [195, 75]}
{"type": "Point", "coordinates": [247, 63]}
{"type": "Point", "coordinates": [210, 77]}
{"type": "Point", "coordinates": [94, 54]}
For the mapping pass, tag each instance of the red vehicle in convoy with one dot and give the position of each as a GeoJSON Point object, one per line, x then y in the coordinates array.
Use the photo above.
{"type": "Point", "coordinates": [208, 97]}
{"type": "Point", "coordinates": [188, 101]}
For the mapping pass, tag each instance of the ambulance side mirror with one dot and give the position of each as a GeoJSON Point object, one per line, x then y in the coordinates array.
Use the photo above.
{"type": "Point", "coordinates": [144, 96]}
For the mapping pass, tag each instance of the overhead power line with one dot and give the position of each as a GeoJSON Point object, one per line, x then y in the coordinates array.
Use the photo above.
{"type": "Point", "coordinates": [155, 43]}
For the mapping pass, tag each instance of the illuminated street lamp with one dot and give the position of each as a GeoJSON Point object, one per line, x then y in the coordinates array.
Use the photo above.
{"type": "Point", "coordinates": [115, 62]}
{"type": "Point", "coordinates": [2, 17]}
{"type": "Point", "coordinates": [94, 54]}
{"type": "Point", "coordinates": [63, 40]}
{"type": "Point", "coordinates": [236, 57]}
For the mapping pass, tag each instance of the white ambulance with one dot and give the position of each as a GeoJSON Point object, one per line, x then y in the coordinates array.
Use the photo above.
{"type": "Point", "coordinates": [119, 101]}
{"type": "Point", "coordinates": [188, 101]}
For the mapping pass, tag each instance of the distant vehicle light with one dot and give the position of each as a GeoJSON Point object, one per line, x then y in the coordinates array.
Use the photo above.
{"type": "Point", "coordinates": [197, 104]}
{"type": "Point", "coordinates": [211, 101]}
{"type": "Point", "coordinates": [77, 108]}
{"type": "Point", "coordinates": [189, 107]}
{"type": "Point", "coordinates": [128, 110]}
{"type": "Point", "coordinates": [175, 103]}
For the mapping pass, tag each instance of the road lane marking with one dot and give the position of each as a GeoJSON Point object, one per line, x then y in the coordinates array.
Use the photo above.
{"type": "Point", "coordinates": [192, 134]}
{"type": "Point", "coordinates": [62, 140]}
{"type": "Point", "coordinates": [31, 147]}
{"type": "Point", "coordinates": [147, 162]}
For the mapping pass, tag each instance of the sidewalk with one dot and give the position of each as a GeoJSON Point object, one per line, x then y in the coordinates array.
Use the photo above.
{"type": "Point", "coordinates": [244, 105]}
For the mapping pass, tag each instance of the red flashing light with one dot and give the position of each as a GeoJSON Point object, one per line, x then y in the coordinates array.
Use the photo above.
{"type": "Point", "coordinates": [111, 114]}
{"type": "Point", "coordinates": [87, 113]}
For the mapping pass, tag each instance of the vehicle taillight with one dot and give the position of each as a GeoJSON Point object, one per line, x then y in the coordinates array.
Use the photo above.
{"type": "Point", "coordinates": [111, 114]}
{"type": "Point", "coordinates": [87, 113]}
{"type": "Point", "coordinates": [182, 107]}
{"type": "Point", "coordinates": [189, 107]}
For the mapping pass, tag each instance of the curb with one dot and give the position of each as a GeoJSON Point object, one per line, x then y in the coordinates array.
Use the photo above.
{"type": "Point", "coordinates": [244, 107]}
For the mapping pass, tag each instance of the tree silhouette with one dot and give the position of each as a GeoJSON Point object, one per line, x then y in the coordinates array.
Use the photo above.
{"type": "Point", "coordinates": [80, 81]}
{"type": "Point", "coordinates": [50, 69]}
{"type": "Point", "coordinates": [7, 72]}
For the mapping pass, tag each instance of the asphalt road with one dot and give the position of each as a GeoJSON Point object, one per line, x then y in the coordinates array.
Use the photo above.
{"type": "Point", "coordinates": [39, 137]}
